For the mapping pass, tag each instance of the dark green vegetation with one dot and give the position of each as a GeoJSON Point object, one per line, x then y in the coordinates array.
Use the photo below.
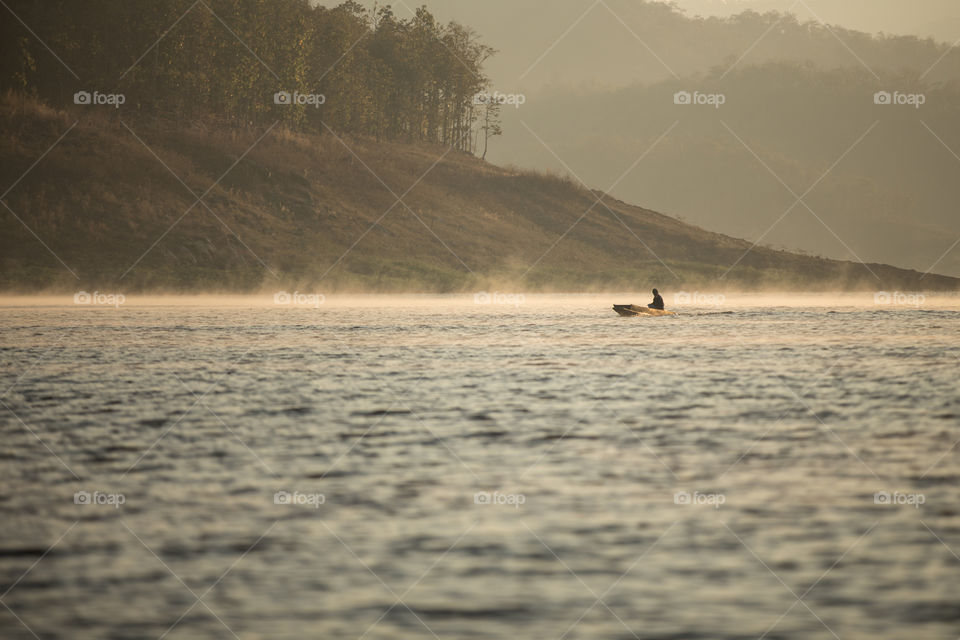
{"type": "Point", "coordinates": [221, 62]}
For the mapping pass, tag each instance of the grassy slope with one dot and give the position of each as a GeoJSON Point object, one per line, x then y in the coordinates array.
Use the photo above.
{"type": "Point", "coordinates": [100, 199]}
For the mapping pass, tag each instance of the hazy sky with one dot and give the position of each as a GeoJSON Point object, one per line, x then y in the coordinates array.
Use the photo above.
{"type": "Point", "coordinates": [524, 30]}
{"type": "Point", "coordinates": [937, 18]}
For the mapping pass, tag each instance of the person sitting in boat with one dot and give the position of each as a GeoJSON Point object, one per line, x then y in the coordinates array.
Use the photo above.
{"type": "Point", "coordinates": [657, 301]}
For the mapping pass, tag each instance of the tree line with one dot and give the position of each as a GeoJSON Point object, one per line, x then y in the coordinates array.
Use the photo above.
{"type": "Point", "coordinates": [254, 62]}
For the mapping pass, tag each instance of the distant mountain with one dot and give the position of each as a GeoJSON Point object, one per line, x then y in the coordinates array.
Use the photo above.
{"type": "Point", "coordinates": [320, 213]}
{"type": "Point", "coordinates": [575, 44]}
{"type": "Point", "coordinates": [883, 176]}
{"type": "Point", "coordinates": [800, 93]}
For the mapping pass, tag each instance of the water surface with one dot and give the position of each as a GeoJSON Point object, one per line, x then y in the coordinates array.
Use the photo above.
{"type": "Point", "coordinates": [781, 424]}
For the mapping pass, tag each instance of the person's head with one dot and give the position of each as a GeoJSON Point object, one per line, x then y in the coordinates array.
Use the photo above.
{"type": "Point", "coordinates": [655, 292]}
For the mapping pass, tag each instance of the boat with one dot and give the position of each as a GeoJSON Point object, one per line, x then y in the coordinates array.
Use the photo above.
{"type": "Point", "coordinates": [632, 310]}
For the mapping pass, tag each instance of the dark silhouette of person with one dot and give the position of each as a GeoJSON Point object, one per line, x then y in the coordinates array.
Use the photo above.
{"type": "Point", "coordinates": [657, 301]}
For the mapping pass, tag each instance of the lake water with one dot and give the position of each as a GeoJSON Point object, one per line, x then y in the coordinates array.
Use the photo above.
{"type": "Point", "coordinates": [531, 468]}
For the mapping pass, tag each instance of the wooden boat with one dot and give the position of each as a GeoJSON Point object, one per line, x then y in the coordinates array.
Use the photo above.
{"type": "Point", "coordinates": [634, 310]}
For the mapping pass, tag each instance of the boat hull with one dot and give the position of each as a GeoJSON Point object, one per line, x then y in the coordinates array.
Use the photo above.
{"type": "Point", "coordinates": [632, 310]}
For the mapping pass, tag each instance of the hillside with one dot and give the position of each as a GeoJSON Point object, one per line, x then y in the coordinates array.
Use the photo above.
{"type": "Point", "coordinates": [309, 211]}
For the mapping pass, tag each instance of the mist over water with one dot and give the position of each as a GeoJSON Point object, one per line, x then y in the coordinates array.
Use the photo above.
{"type": "Point", "coordinates": [393, 467]}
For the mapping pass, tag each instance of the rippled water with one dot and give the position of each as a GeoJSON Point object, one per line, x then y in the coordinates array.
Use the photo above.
{"type": "Point", "coordinates": [585, 429]}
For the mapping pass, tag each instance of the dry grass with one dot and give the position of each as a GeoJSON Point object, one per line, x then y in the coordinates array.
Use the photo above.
{"type": "Point", "coordinates": [321, 212]}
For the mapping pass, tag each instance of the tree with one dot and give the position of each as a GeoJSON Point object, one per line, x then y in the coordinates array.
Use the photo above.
{"type": "Point", "coordinates": [222, 62]}
{"type": "Point", "coordinates": [491, 123]}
